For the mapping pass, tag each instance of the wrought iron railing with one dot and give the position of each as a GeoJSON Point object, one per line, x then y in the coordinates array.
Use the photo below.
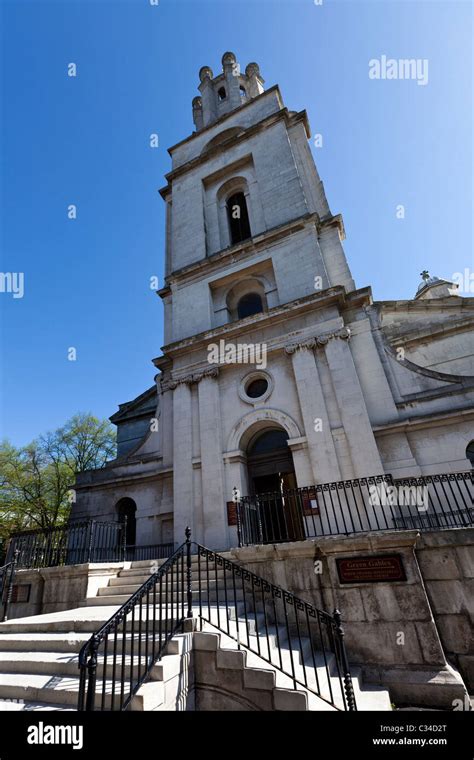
{"type": "Point", "coordinates": [150, 551]}
{"type": "Point", "coordinates": [71, 544]}
{"type": "Point", "coordinates": [303, 643]}
{"type": "Point", "coordinates": [7, 574]}
{"type": "Point", "coordinates": [430, 502]}
{"type": "Point", "coordinates": [78, 542]}
{"type": "Point", "coordinates": [118, 658]}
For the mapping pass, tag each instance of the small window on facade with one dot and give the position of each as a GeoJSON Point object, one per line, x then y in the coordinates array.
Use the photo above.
{"type": "Point", "coordinates": [257, 388]}
{"type": "Point", "coordinates": [238, 218]}
{"type": "Point", "coordinates": [243, 93]}
{"type": "Point", "coordinates": [221, 93]}
{"type": "Point", "coordinates": [249, 304]}
{"type": "Point", "coordinates": [470, 453]}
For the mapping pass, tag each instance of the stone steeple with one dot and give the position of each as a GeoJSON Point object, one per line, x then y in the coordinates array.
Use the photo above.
{"type": "Point", "coordinates": [227, 91]}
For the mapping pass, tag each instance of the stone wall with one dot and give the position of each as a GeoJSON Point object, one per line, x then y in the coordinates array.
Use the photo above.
{"type": "Point", "coordinates": [413, 636]}
{"type": "Point", "coordinates": [410, 636]}
{"type": "Point", "coordinates": [53, 589]}
{"type": "Point", "coordinates": [446, 560]}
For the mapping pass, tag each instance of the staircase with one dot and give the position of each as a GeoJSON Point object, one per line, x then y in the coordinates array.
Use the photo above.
{"type": "Point", "coordinates": [39, 655]}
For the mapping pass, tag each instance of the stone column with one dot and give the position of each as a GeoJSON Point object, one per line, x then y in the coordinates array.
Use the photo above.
{"type": "Point", "coordinates": [212, 468]}
{"type": "Point", "coordinates": [182, 460]}
{"type": "Point", "coordinates": [352, 408]}
{"type": "Point", "coordinates": [320, 442]}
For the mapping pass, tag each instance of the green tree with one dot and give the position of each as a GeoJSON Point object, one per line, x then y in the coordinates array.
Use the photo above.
{"type": "Point", "coordinates": [83, 443]}
{"type": "Point", "coordinates": [36, 480]}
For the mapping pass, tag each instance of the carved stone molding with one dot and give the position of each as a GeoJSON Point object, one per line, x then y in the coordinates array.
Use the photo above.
{"type": "Point", "coordinates": [172, 383]}
{"type": "Point", "coordinates": [304, 345]}
{"type": "Point", "coordinates": [318, 341]}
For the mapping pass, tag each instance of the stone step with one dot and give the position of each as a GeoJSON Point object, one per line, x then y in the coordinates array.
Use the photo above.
{"type": "Point", "coordinates": [138, 576]}
{"type": "Point", "coordinates": [117, 599]}
{"type": "Point", "coordinates": [63, 692]}
{"type": "Point", "coordinates": [145, 563]}
{"type": "Point", "coordinates": [67, 664]}
{"type": "Point", "coordinates": [129, 585]}
{"type": "Point", "coordinates": [86, 625]}
{"type": "Point", "coordinates": [68, 645]}
{"type": "Point", "coordinates": [44, 688]}
{"type": "Point", "coordinates": [287, 659]}
{"type": "Point", "coordinates": [13, 706]}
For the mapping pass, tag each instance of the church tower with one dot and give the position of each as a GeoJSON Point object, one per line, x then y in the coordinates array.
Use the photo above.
{"type": "Point", "coordinates": [276, 372]}
{"type": "Point", "coordinates": [258, 386]}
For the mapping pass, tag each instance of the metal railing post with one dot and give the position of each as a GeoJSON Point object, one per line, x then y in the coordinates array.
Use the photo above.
{"type": "Point", "coordinates": [189, 592]}
{"type": "Point", "coordinates": [91, 540]}
{"type": "Point", "coordinates": [348, 687]}
{"type": "Point", "coordinates": [92, 676]}
{"type": "Point", "coordinates": [124, 537]}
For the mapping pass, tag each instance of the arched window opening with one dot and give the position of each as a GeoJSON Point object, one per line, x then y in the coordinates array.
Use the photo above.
{"type": "Point", "coordinates": [470, 453]}
{"type": "Point", "coordinates": [221, 93]}
{"type": "Point", "coordinates": [126, 509]}
{"type": "Point", "coordinates": [250, 303]}
{"type": "Point", "coordinates": [243, 93]}
{"type": "Point", "coordinates": [238, 218]}
{"type": "Point", "coordinates": [272, 479]}
{"type": "Point", "coordinates": [268, 441]}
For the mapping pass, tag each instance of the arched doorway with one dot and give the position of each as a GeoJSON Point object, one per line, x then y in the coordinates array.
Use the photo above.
{"type": "Point", "coordinates": [126, 509]}
{"type": "Point", "coordinates": [272, 477]}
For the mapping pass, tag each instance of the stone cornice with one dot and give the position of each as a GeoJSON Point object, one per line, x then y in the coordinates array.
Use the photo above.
{"type": "Point", "coordinates": [318, 341]}
{"type": "Point", "coordinates": [231, 331]}
{"type": "Point", "coordinates": [113, 478]}
{"type": "Point", "coordinates": [243, 250]}
{"type": "Point", "coordinates": [246, 134]}
{"type": "Point", "coordinates": [332, 221]}
{"type": "Point", "coordinates": [425, 421]}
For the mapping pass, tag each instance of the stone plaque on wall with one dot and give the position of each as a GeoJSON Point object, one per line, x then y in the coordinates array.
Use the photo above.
{"type": "Point", "coordinates": [381, 568]}
{"type": "Point", "coordinates": [231, 513]}
{"type": "Point", "coordinates": [20, 593]}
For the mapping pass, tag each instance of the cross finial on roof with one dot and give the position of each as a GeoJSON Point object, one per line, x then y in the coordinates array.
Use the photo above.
{"type": "Point", "coordinates": [425, 275]}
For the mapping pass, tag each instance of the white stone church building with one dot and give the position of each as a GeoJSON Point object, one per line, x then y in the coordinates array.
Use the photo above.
{"type": "Point", "coordinates": [277, 371]}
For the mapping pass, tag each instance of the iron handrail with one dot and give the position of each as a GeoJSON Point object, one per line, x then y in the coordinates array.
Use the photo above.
{"type": "Point", "coordinates": [267, 617]}
{"type": "Point", "coordinates": [261, 617]}
{"type": "Point", "coordinates": [161, 629]}
{"type": "Point", "coordinates": [7, 574]}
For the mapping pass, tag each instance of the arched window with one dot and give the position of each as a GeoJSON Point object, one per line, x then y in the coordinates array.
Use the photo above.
{"type": "Point", "coordinates": [221, 93]}
{"type": "Point", "coordinates": [270, 440]}
{"type": "Point", "coordinates": [126, 511]}
{"type": "Point", "coordinates": [243, 93]}
{"type": "Point", "coordinates": [237, 213]}
{"type": "Point", "coordinates": [250, 303]}
{"type": "Point", "coordinates": [470, 453]}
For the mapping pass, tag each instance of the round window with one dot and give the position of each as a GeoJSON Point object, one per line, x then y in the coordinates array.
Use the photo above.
{"type": "Point", "coordinates": [257, 388]}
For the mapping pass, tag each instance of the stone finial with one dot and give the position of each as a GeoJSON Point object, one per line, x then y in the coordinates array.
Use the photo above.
{"type": "Point", "coordinates": [228, 59]}
{"type": "Point", "coordinates": [205, 73]}
{"type": "Point", "coordinates": [252, 70]}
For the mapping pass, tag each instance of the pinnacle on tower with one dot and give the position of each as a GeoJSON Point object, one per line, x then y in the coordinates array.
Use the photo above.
{"type": "Point", "coordinates": [225, 92]}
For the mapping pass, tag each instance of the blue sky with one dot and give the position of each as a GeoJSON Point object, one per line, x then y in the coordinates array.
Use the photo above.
{"type": "Point", "coordinates": [85, 141]}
